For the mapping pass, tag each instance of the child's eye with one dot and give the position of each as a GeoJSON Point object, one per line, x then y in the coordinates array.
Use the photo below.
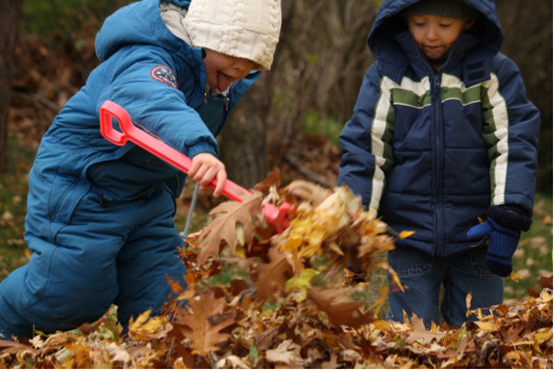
{"type": "Point", "coordinates": [444, 25]}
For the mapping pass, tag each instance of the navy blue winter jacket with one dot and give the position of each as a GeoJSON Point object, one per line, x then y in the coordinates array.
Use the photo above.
{"type": "Point", "coordinates": [433, 151]}
{"type": "Point", "coordinates": [160, 80]}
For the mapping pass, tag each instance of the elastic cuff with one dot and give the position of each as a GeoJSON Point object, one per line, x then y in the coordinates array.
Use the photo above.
{"type": "Point", "coordinates": [510, 219]}
{"type": "Point", "coordinates": [201, 148]}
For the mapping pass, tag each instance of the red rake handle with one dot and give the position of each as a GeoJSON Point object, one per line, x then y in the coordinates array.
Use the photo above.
{"type": "Point", "coordinates": [129, 132]}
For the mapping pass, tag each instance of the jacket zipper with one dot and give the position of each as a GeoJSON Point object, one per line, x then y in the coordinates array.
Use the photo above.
{"type": "Point", "coordinates": [226, 109]}
{"type": "Point", "coordinates": [437, 152]}
{"type": "Point", "coordinates": [438, 164]}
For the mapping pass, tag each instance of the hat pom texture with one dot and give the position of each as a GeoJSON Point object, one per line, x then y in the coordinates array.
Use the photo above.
{"type": "Point", "coordinates": [246, 29]}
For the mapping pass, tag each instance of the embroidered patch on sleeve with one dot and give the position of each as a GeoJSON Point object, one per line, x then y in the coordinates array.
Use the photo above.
{"type": "Point", "coordinates": [164, 74]}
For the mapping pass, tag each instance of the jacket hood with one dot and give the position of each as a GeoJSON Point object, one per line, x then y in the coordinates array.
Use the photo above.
{"type": "Point", "coordinates": [383, 37]}
{"type": "Point", "coordinates": [138, 23]}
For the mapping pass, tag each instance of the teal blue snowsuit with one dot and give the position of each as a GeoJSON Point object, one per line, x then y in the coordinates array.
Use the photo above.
{"type": "Point", "coordinates": [100, 217]}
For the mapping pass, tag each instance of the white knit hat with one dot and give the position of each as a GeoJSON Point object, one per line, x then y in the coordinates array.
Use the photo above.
{"type": "Point", "coordinates": [246, 29]}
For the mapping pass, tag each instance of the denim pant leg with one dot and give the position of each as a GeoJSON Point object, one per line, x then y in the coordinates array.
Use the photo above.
{"type": "Point", "coordinates": [421, 274]}
{"type": "Point", "coordinates": [467, 273]}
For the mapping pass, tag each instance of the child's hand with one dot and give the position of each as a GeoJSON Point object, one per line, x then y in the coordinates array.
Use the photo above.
{"type": "Point", "coordinates": [503, 243]}
{"type": "Point", "coordinates": [205, 167]}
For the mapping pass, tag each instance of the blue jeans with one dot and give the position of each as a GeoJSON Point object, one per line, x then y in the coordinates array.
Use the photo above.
{"type": "Point", "coordinates": [424, 275]}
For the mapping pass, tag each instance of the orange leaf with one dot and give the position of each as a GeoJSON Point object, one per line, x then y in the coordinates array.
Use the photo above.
{"type": "Point", "coordinates": [204, 325]}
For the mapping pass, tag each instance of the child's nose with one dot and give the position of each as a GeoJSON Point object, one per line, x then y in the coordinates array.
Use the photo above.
{"type": "Point", "coordinates": [432, 33]}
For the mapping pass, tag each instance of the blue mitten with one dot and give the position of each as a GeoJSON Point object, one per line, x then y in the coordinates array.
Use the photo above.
{"type": "Point", "coordinates": [503, 243]}
{"type": "Point", "coordinates": [503, 228]}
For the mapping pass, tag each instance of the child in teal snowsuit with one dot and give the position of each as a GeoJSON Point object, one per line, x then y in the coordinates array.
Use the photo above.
{"type": "Point", "coordinates": [100, 217]}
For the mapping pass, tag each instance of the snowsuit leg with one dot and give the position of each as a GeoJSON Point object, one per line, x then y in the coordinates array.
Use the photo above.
{"type": "Point", "coordinates": [148, 257]}
{"type": "Point", "coordinates": [73, 275]}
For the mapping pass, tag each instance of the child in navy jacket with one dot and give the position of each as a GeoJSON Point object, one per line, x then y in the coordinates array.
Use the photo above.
{"type": "Point", "coordinates": [443, 136]}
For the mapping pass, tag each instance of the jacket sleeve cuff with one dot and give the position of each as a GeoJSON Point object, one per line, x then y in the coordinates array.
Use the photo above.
{"type": "Point", "coordinates": [510, 218]}
{"type": "Point", "coordinates": [201, 148]}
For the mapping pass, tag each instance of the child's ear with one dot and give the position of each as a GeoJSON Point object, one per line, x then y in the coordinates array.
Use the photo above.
{"type": "Point", "coordinates": [469, 24]}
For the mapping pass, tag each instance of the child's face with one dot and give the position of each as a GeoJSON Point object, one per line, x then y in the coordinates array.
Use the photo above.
{"type": "Point", "coordinates": [223, 70]}
{"type": "Point", "coordinates": [435, 34]}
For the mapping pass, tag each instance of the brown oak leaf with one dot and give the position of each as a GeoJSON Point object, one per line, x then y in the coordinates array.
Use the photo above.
{"type": "Point", "coordinates": [203, 325]}
{"type": "Point", "coordinates": [421, 335]}
{"type": "Point", "coordinates": [307, 191]}
{"type": "Point", "coordinates": [223, 227]}
{"type": "Point", "coordinates": [339, 306]}
{"type": "Point", "coordinates": [273, 276]}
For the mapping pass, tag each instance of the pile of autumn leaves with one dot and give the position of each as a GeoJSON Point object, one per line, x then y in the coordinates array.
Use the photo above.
{"type": "Point", "coordinates": [257, 298]}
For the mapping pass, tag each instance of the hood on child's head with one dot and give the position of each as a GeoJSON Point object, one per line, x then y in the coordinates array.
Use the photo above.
{"type": "Point", "coordinates": [246, 29]}
{"type": "Point", "coordinates": [487, 29]}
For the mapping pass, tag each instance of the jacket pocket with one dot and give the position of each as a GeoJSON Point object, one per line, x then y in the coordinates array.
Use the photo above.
{"type": "Point", "coordinates": [64, 198]}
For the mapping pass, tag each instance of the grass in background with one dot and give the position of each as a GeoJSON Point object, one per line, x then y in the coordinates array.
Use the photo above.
{"type": "Point", "coordinates": [312, 123]}
{"type": "Point", "coordinates": [64, 16]}
{"type": "Point", "coordinates": [13, 205]}
{"type": "Point", "coordinates": [533, 258]}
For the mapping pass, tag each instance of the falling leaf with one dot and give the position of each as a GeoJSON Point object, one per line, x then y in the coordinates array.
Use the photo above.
{"type": "Point", "coordinates": [273, 275]}
{"type": "Point", "coordinates": [223, 226]}
{"type": "Point", "coordinates": [546, 282]}
{"type": "Point", "coordinates": [272, 180]}
{"type": "Point", "coordinates": [307, 191]}
{"type": "Point", "coordinates": [514, 276]}
{"type": "Point", "coordinates": [405, 234]}
{"type": "Point", "coordinates": [301, 283]}
{"type": "Point", "coordinates": [339, 306]}
{"type": "Point", "coordinates": [469, 297]}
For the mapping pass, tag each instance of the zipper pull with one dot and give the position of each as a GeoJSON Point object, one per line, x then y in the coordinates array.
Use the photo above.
{"type": "Point", "coordinates": [205, 97]}
{"type": "Point", "coordinates": [227, 102]}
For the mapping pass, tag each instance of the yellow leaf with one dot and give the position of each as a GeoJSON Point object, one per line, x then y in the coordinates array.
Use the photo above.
{"type": "Point", "coordinates": [523, 343]}
{"type": "Point", "coordinates": [468, 302]}
{"type": "Point", "coordinates": [489, 326]}
{"type": "Point", "coordinates": [146, 327]}
{"type": "Point", "coordinates": [141, 319]}
{"type": "Point", "coordinates": [514, 276]}
{"type": "Point", "coordinates": [405, 234]}
{"type": "Point", "coordinates": [543, 337]}
{"type": "Point", "coordinates": [301, 283]}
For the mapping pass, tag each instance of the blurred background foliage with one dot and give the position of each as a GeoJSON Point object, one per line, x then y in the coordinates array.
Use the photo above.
{"type": "Point", "coordinates": [321, 60]}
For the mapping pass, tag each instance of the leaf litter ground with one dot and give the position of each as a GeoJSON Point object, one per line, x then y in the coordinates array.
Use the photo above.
{"type": "Point", "coordinates": [298, 306]}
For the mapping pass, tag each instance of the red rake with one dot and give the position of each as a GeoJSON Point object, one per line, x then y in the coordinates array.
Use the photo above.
{"type": "Point", "coordinates": [129, 132]}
